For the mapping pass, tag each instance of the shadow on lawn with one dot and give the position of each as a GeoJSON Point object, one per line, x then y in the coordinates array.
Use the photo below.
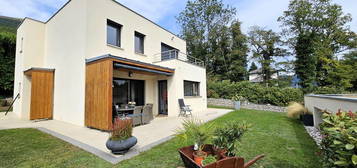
{"type": "Point", "coordinates": [304, 140]}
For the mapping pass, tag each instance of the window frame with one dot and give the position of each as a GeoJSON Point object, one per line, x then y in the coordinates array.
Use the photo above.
{"type": "Point", "coordinates": [142, 42]}
{"type": "Point", "coordinates": [118, 28]}
{"type": "Point", "coordinates": [195, 92]}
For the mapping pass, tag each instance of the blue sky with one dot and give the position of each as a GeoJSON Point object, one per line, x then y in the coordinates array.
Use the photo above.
{"type": "Point", "coordinates": [250, 12]}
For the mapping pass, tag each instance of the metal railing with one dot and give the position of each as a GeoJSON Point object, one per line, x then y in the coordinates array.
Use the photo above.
{"type": "Point", "coordinates": [175, 54]}
{"type": "Point", "coordinates": [12, 103]}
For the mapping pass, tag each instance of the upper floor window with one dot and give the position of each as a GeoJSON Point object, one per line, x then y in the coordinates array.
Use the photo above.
{"type": "Point", "coordinates": [191, 88]}
{"type": "Point", "coordinates": [139, 43]}
{"type": "Point", "coordinates": [113, 33]}
{"type": "Point", "coordinates": [168, 52]}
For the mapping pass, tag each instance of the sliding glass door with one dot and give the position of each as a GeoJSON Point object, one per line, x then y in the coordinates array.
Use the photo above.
{"type": "Point", "coordinates": [128, 90]}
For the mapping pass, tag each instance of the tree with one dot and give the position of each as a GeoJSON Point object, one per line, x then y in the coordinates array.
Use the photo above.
{"type": "Point", "coordinates": [350, 59]}
{"type": "Point", "coordinates": [238, 56]}
{"type": "Point", "coordinates": [253, 67]}
{"type": "Point", "coordinates": [7, 62]}
{"type": "Point", "coordinates": [266, 45]}
{"type": "Point", "coordinates": [317, 31]}
{"type": "Point", "coordinates": [204, 27]}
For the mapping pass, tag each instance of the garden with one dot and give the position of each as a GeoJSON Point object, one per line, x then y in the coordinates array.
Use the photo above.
{"type": "Point", "coordinates": [283, 141]}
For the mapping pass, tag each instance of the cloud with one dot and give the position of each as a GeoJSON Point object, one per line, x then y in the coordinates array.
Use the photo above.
{"type": "Point", "coordinates": [37, 9]}
{"type": "Point", "coordinates": [265, 13]}
{"type": "Point", "coordinates": [250, 12]}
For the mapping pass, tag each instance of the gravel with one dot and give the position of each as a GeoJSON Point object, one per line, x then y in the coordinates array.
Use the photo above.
{"type": "Point", "coordinates": [264, 107]}
{"type": "Point", "coordinates": [315, 134]}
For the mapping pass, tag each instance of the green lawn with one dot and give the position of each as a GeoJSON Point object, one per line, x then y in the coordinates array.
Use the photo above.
{"type": "Point", "coordinates": [284, 142]}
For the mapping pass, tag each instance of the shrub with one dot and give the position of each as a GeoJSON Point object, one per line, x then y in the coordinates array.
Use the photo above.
{"type": "Point", "coordinates": [295, 110]}
{"type": "Point", "coordinates": [327, 90]}
{"type": "Point", "coordinates": [228, 136]}
{"type": "Point", "coordinates": [192, 130]}
{"type": "Point", "coordinates": [122, 129]}
{"type": "Point", "coordinates": [339, 145]}
{"type": "Point", "coordinates": [254, 93]}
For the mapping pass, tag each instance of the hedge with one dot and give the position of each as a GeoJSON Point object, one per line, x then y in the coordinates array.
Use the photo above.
{"type": "Point", "coordinates": [254, 93]}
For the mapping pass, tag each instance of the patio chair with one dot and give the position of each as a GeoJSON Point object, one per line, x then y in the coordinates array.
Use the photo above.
{"type": "Point", "coordinates": [185, 110]}
{"type": "Point", "coordinates": [137, 115]}
{"type": "Point", "coordinates": [147, 113]}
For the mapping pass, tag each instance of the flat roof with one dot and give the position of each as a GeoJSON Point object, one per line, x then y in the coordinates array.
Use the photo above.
{"type": "Point", "coordinates": [345, 97]}
{"type": "Point", "coordinates": [122, 59]}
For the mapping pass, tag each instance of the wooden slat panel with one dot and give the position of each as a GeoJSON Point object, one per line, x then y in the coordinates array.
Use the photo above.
{"type": "Point", "coordinates": [98, 105]}
{"type": "Point", "coordinates": [41, 94]}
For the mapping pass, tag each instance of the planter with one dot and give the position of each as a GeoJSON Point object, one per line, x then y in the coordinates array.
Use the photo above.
{"type": "Point", "coordinates": [122, 146]}
{"type": "Point", "coordinates": [187, 157]}
{"type": "Point", "coordinates": [199, 156]}
{"type": "Point", "coordinates": [307, 119]}
{"type": "Point", "coordinates": [237, 105]}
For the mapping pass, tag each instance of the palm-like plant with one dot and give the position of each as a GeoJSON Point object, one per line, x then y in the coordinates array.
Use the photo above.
{"type": "Point", "coordinates": [192, 130]}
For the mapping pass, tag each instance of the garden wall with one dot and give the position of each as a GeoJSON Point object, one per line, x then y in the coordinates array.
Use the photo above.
{"type": "Point", "coordinates": [247, 105]}
{"type": "Point", "coordinates": [220, 102]}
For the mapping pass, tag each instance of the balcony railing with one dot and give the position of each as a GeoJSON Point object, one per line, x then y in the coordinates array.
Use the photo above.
{"type": "Point", "coordinates": [175, 54]}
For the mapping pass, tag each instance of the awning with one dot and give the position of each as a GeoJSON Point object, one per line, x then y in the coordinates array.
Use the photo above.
{"type": "Point", "coordinates": [119, 65]}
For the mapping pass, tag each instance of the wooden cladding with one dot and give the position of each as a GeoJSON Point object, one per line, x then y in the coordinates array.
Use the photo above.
{"type": "Point", "coordinates": [41, 105]}
{"type": "Point", "coordinates": [98, 100]}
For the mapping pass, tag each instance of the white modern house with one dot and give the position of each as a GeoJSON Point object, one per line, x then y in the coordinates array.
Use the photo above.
{"type": "Point", "coordinates": [257, 76]}
{"type": "Point", "coordinates": [95, 54]}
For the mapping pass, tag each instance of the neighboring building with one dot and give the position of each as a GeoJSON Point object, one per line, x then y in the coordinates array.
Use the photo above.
{"type": "Point", "coordinates": [331, 103]}
{"type": "Point", "coordinates": [94, 54]}
{"type": "Point", "coordinates": [256, 76]}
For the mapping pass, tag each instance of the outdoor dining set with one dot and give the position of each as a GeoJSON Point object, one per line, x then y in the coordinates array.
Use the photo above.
{"type": "Point", "coordinates": [140, 114]}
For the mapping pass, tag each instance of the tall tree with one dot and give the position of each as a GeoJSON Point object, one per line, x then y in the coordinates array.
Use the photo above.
{"type": "Point", "coordinates": [204, 27]}
{"type": "Point", "coordinates": [266, 45]}
{"type": "Point", "coordinates": [239, 53]}
{"type": "Point", "coordinates": [317, 31]}
{"type": "Point", "coordinates": [7, 62]}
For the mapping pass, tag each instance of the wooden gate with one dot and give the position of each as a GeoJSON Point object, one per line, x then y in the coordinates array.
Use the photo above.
{"type": "Point", "coordinates": [41, 104]}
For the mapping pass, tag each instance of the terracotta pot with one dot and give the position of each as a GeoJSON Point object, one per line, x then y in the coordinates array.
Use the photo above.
{"type": "Point", "coordinates": [199, 156]}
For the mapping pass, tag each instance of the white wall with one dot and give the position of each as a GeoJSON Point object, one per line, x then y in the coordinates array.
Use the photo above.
{"type": "Point", "coordinates": [29, 53]}
{"type": "Point", "coordinates": [190, 72]}
{"type": "Point", "coordinates": [65, 52]}
{"type": "Point", "coordinates": [101, 10]}
{"type": "Point", "coordinates": [315, 104]}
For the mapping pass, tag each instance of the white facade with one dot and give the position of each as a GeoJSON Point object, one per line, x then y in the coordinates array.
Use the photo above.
{"type": "Point", "coordinates": [78, 32]}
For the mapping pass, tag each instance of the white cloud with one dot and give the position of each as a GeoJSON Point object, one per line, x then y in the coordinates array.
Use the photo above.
{"type": "Point", "coordinates": [265, 13]}
{"type": "Point", "coordinates": [37, 9]}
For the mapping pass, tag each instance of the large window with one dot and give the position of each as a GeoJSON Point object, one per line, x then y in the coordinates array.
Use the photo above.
{"type": "Point", "coordinates": [113, 33]}
{"type": "Point", "coordinates": [168, 52]}
{"type": "Point", "coordinates": [139, 43]}
{"type": "Point", "coordinates": [126, 90]}
{"type": "Point", "coordinates": [191, 88]}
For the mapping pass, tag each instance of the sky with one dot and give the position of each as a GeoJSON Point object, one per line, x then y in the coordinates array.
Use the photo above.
{"type": "Point", "coordinates": [163, 12]}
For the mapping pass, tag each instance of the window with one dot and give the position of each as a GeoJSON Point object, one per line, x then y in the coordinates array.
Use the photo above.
{"type": "Point", "coordinates": [113, 33]}
{"type": "Point", "coordinates": [127, 90]}
{"type": "Point", "coordinates": [139, 43]}
{"type": "Point", "coordinates": [191, 88]}
{"type": "Point", "coordinates": [168, 52]}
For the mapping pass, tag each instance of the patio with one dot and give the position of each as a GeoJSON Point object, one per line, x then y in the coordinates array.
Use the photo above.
{"type": "Point", "coordinates": [159, 130]}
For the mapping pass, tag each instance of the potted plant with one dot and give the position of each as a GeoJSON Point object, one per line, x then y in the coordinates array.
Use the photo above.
{"type": "Point", "coordinates": [121, 139]}
{"type": "Point", "coordinates": [208, 160]}
{"type": "Point", "coordinates": [192, 130]}
{"type": "Point", "coordinates": [226, 138]}
{"type": "Point", "coordinates": [237, 101]}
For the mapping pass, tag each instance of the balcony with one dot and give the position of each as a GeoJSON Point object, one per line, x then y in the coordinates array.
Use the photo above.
{"type": "Point", "coordinates": [175, 54]}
